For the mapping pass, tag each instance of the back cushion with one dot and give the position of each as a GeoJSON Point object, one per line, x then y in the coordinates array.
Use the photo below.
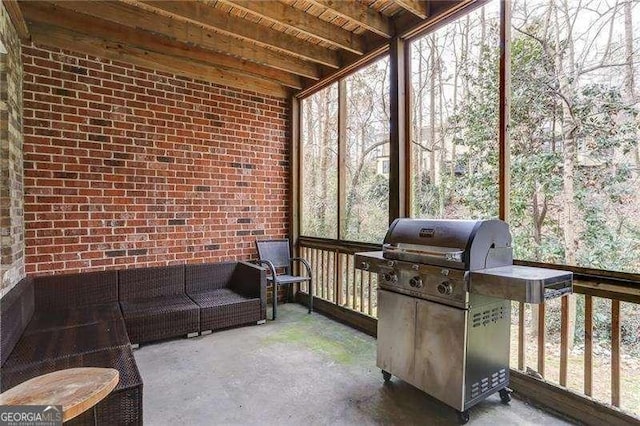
{"type": "Point", "coordinates": [208, 276]}
{"type": "Point", "coordinates": [59, 292]}
{"type": "Point", "coordinates": [16, 309]}
{"type": "Point", "coordinates": [145, 283]}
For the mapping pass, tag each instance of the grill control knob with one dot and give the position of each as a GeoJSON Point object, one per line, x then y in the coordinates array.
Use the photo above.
{"type": "Point", "coordinates": [445, 288]}
{"type": "Point", "coordinates": [390, 277]}
{"type": "Point", "coordinates": [365, 266]}
{"type": "Point", "coordinates": [416, 282]}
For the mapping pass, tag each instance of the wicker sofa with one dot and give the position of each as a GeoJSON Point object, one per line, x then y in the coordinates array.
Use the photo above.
{"type": "Point", "coordinates": [154, 304]}
{"type": "Point", "coordinates": [65, 321]}
{"type": "Point", "coordinates": [228, 294]}
{"type": "Point", "coordinates": [71, 321]}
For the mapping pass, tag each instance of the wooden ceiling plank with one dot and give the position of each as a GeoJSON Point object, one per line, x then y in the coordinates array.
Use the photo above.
{"type": "Point", "coordinates": [419, 8]}
{"type": "Point", "coordinates": [204, 14]}
{"type": "Point", "coordinates": [406, 26]}
{"type": "Point", "coordinates": [364, 16]}
{"type": "Point", "coordinates": [109, 31]}
{"type": "Point", "coordinates": [17, 19]}
{"type": "Point", "coordinates": [74, 41]}
{"type": "Point", "coordinates": [136, 18]}
{"type": "Point", "coordinates": [303, 22]}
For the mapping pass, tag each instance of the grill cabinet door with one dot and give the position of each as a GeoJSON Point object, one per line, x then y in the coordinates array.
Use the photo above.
{"type": "Point", "coordinates": [396, 333]}
{"type": "Point", "coordinates": [440, 352]}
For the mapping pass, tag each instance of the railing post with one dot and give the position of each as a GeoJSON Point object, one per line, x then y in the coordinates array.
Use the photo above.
{"type": "Point", "coordinates": [588, 345]}
{"type": "Point", "coordinates": [542, 331]}
{"type": "Point", "coordinates": [615, 352]}
{"type": "Point", "coordinates": [564, 340]}
{"type": "Point", "coordinates": [522, 338]}
{"type": "Point", "coordinates": [339, 276]}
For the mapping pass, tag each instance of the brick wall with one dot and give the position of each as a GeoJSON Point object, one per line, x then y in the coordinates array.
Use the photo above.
{"type": "Point", "coordinates": [11, 186]}
{"type": "Point", "coordinates": [126, 166]}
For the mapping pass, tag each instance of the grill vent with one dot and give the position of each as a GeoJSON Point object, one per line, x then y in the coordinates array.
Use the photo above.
{"type": "Point", "coordinates": [486, 317]}
{"type": "Point", "coordinates": [488, 383]}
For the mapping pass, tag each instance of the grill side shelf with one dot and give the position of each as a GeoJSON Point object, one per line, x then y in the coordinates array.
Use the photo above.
{"type": "Point", "coordinates": [521, 283]}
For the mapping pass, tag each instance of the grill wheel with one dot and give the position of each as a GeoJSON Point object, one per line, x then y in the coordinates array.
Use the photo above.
{"type": "Point", "coordinates": [463, 417]}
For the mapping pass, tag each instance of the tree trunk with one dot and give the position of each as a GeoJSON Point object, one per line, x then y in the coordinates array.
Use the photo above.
{"type": "Point", "coordinates": [567, 90]}
{"type": "Point", "coordinates": [417, 158]}
{"type": "Point", "coordinates": [432, 111]}
{"type": "Point", "coordinates": [629, 77]}
{"type": "Point", "coordinates": [324, 167]}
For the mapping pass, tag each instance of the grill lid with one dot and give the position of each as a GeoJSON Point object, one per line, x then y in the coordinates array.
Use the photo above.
{"type": "Point", "coordinates": [463, 244]}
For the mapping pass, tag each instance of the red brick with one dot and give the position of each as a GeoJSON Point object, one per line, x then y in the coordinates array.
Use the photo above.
{"type": "Point", "coordinates": [159, 141]}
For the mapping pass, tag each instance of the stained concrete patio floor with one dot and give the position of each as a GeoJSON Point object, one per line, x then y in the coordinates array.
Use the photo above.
{"type": "Point", "coordinates": [298, 370]}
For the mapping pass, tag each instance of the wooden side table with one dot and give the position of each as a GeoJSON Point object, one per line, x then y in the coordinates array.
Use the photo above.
{"type": "Point", "coordinates": [76, 389]}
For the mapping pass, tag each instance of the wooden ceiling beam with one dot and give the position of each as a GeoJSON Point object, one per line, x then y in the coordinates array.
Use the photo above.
{"type": "Point", "coordinates": [406, 26]}
{"type": "Point", "coordinates": [220, 21]}
{"type": "Point", "coordinates": [303, 22]}
{"type": "Point", "coordinates": [17, 19]}
{"type": "Point", "coordinates": [356, 12]}
{"type": "Point", "coordinates": [63, 38]}
{"type": "Point", "coordinates": [419, 8]}
{"type": "Point", "coordinates": [109, 31]}
{"type": "Point", "coordinates": [189, 33]}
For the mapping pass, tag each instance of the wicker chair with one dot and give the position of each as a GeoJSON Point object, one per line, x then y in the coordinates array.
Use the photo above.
{"type": "Point", "coordinates": [154, 304]}
{"type": "Point", "coordinates": [228, 294]}
{"type": "Point", "coordinates": [275, 254]}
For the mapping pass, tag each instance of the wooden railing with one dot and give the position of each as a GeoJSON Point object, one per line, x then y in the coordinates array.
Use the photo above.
{"type": "Point", "coordinates": [338, 282]}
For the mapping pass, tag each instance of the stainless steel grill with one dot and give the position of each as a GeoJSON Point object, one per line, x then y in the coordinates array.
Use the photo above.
{"type": "Point", "coordinates": [444, 295]}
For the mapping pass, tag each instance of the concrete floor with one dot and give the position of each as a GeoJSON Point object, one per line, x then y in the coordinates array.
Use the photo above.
{"type": "Point", "coordinates": [299, 370]}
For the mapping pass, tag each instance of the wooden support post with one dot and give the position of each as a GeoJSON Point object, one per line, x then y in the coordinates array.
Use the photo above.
{"type": "Point", "coordinates": [399, 129]}
{"type": "Point", "coordinates": [615, 353]}
{"type": "Point", "coordinates": [342, 158]}
{"type": "Point", "coordinates": [294, 194]}
{"type": "Point", "coordinates": [503, 119]}
{"type": "Point", "coordinates": [588, 345]}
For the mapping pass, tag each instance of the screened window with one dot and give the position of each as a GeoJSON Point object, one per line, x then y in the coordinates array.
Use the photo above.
{"type": "Point", "coordinates": [366, 198]}
{"type": "Point", "coordinates": [319, 199]}
{"type": "Point", "coordinates": [454, 123]}
{"type": "Point", "coordinates": [574, 133]}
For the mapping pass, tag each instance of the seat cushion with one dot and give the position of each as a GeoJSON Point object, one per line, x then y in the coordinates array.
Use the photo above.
{"type": "Point", "coordinates": [289, 279]}
{"type": "Point", "coordinates": [223, 308]}
{"type": "Point", "coordinates": [84, 315]}
{"type": "Point", "coordinates": [218, 297]}
{"type": "Point", "coordinates": [160, 317]}
{"type": "Point", "coordinates": [65, 341]}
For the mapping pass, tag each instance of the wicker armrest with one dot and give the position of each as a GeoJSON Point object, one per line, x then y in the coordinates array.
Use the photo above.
{"type": "Point", "coordinates": [249, 280]}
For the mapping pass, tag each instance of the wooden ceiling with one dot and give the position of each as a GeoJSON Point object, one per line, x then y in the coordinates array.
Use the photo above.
{"type": "Point", "coordinates": [272, 47]}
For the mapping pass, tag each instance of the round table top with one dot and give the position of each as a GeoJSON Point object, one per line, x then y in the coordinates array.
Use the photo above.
{"type": "Point", "coordinates": [76, 389]}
